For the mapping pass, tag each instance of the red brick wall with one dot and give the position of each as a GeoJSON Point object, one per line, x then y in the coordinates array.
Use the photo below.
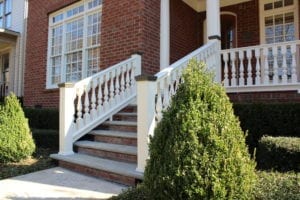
{"type": "Point", "coordinates": [128, 26]}
{"type": "Point", "coordinates": [265, 97]}
{"type": "Point", "coordinates": [36, 54]}
{"type": "Point", "coordinates": [184, 29]}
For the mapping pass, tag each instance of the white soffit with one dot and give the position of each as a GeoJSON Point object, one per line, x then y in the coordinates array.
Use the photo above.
{"type": "Point", "coordinates": [200, 5]}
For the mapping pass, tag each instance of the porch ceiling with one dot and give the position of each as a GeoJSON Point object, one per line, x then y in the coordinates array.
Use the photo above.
{"type": "Point", "coordinates": [200, 5]}
{"type": "Point", "coordinates": [7, 38]}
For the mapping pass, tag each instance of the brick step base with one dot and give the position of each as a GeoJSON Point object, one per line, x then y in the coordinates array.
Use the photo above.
{"type": "Point", "coordinates": [114, 171]}
{"type": "Point", "coordinates": [114, 137]}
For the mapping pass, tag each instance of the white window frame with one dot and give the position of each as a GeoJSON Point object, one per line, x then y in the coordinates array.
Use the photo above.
{"type": "Point", "coordinates": [84, 49]}
{"type": "Point", "coordinates": [4, 15]}
{"type": "Point", "coordinates": [285, 9]}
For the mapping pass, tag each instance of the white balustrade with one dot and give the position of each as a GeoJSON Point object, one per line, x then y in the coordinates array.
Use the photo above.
{"type": "Point", "coordinates": [260, 67]}
{"type": "Point", "coordinates": [155, 92]}
{"type": "Point", "coordinates": [89, 102]}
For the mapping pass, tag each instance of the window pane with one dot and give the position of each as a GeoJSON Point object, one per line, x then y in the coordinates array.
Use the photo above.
{"type": "Point", "coordinates": [74, 66]}
{"type": "Point", "coordinates": [1, 22]}
{"type": "Point", "coordinates": [278, 4]}
{"type": "Point", "coordinates": [94, 3]}
{"type": "Point", "coordinates": [268, 6]}
{"type": "Point", "coordinates": [1, 8]}
{"type": "Point", "coordinates": [58, 18]}
{"type": "Point", "coordinates": [56, 70]}
{"type": "Point", "coordinates": [8, 6]}
{"type": "Point", "coordinates": [75, 11]}
{"type": "Point", "coordinates": [57, 40]}
{"type": "Point", "coordinates": [94, 29]}
{"type": "Point", "coordinates": [269, 31]}
{"type": "Point", "coordinates": [8, 21]}
{"type": "Point", "coordinates": [74, 35]}
{"type": "Point", "coordinates": [93, 61]}
{"type": "Point", "coordinates": [288, 2]}
{"type": "Point", "coordinates": [289, 18]}
{"type": "Point", "coordinates": [278, 19]}
{"type": "Point", "coordinates": [269, 21]}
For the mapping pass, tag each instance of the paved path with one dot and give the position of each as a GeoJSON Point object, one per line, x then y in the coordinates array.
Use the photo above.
{"type": "Point", "coordinates": [57, 183]}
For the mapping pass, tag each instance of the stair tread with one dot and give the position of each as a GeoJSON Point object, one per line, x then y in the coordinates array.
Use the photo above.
{"type": "Point", "coordinates": [108, 147]}
{"type": "Point", "coordinates": [112, 133]}
{"type": "Point", "coordinates": [121, 123]}
{"type": "Point", "coordinates": [117, 167]}
{"type": "Point", "coordinates": [127, 113]}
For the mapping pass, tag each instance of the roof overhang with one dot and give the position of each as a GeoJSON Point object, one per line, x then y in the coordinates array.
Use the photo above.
{"type": "Point", "coordinates": [9, 34]}
{"type": "Point", "coordinates": [200, 5]}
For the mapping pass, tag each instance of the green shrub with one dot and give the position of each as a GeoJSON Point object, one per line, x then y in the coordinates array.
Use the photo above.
{"type": "Point", "coordinates": [138, 193]}
{"type": "Point", "coordinates": [277, 186]}
{"type": "Point", "coordinates": [42, 118]}
{"type": "Point", "coordinates": [45, 138]}
{"type": "Point", "coordinates": [276, 119]}
{"type": "Point", "coordinates": [16, 140]}
{"type": "Point", "coordinates": [198, 150]}
{"type": "Point", "coordinates": [279, 153]}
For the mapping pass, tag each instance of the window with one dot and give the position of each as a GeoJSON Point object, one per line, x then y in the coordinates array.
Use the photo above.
{"type": "Point", "coordinates": [278, 21]}
{"type": "Point", "coordinates": [74, 42]}
{"type": "Point", "coordinates": [5, 13]}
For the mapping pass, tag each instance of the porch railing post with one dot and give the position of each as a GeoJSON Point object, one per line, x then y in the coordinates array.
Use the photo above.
{"type": "Point", "coordinates": [66, 120]}
{"type": "Point", "coordinates": [146, 91]}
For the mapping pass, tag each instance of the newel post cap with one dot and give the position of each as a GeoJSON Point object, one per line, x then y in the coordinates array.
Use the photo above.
{"type": "Point", "coordinates": [66, 85]}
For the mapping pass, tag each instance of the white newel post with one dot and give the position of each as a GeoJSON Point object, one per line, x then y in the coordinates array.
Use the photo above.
{"type": "Point", "coordinates": [146, 90]}
{"type": "Point", "coordinates": [164, 34]}
{"type": "Point", "coordinates": [214, 31]}
{"type": "Point", "coordinates": [66, 120]}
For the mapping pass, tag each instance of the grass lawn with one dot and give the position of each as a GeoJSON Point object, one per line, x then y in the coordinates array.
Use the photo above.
{"type": "Point", "coordinates": [39, 161]}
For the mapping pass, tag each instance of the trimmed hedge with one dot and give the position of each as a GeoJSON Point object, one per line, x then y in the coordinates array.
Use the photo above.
{"type": "Point", "coordinates": [16, 141]}
{"type": "Point", "coordinates": [277, 186]}
{"type": "Point", "coordinates": [198, 150]}
{"type": "Point", "coordinates": [268, 119]}
{"type": "Point", "coordinates": [134, 193]}
{"type": "Point", "coordinates": [279, 153]}
{"type": "Point", "coordinates": [46, 138]}
{"type": "Point", "coordinates": [42, 118]}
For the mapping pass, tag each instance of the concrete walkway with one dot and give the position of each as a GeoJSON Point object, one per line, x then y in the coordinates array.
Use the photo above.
{"type": "Point", "coordinates": [57, 183]}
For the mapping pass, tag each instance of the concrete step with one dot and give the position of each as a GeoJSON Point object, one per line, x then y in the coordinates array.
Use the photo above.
{"type": "Point", "coordinates": [106, 150]}
{"type": "Point", "coordinates": [119, 126]}
{"type": "Point", "coordinates": [125, 116]}
{"type": "Point", "coordinates": [120, 172]}
{"type": "Point", "coordinates": [115, 137]}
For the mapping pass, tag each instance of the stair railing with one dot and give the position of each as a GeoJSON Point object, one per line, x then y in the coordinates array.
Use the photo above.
{"type": "Point", "coordinates": [154, 93]}
{"type": "Point", "coordinates": [91, 101]}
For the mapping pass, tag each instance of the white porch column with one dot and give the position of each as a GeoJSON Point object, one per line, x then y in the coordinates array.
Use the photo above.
{"type": "Point", "coordinates": [214, 33]}
{"type": "Point", "coordinates": [213, 19]}
{"type": "Point", "coordinates": [164, 34]}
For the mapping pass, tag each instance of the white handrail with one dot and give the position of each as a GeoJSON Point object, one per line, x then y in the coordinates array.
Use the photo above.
{"type": "Point", "coordinates": [91, 101]}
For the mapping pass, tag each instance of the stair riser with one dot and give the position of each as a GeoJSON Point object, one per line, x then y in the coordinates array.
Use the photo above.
{"type": "Point", "coordinates": [99, 173]}
{"type": "Point", "coordinates": [125, 118]}
{"type": "Point", "coordinates": [118, 128]}
{"type": "Point", "coordinates": [130, 109]}
{"type": "Point", "coordinates": [108, 155]}
{"type": "Point", "coordinates": [116, 140]}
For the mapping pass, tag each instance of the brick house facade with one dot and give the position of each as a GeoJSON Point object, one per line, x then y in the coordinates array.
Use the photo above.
{"type": "Point", "coordinates": [129, 27]}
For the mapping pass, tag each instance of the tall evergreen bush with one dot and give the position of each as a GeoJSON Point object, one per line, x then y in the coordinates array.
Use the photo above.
{"type": "Point", "coordinates": [16, 140]}
{"type": "Point", "coordinates": [198, 150]}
